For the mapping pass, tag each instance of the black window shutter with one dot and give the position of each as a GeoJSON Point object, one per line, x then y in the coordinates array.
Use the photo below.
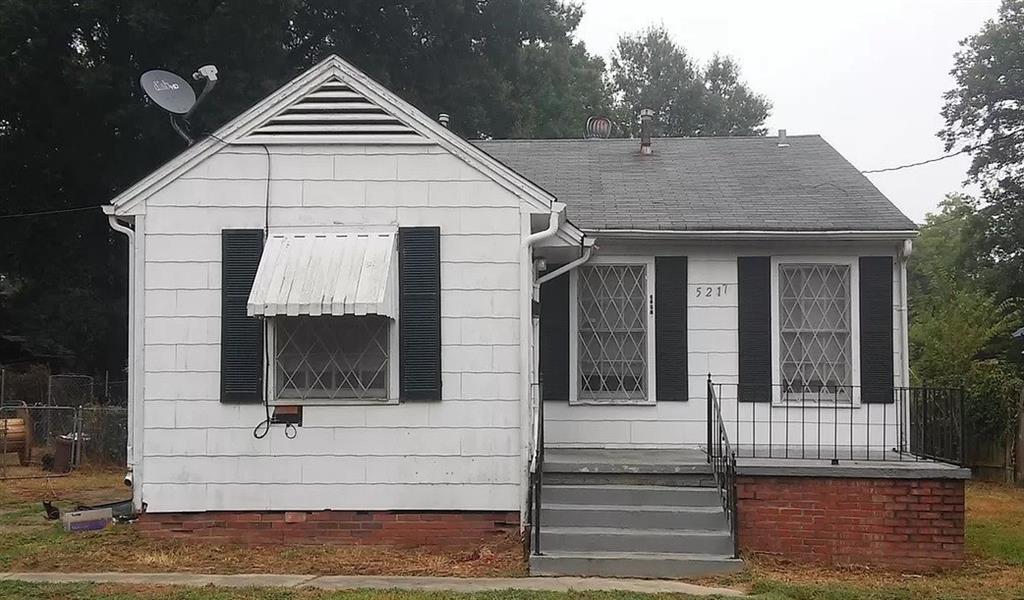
{"type": "Point", "coordinates": [876, 350]}
{"type": "Point", "coordinates": [241, 336]}
{"type": "Point", "coordinates": [419, 313]}
{"type": "Point", "coordinates": [670, 298]}
{"type": "Point", "coordinates": [755, 328]}
{"type": "Point", "coordinates": [554, 337]}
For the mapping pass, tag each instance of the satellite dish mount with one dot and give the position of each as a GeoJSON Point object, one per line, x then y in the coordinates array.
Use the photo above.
{"type": "Point", "coordinates": [174, 94]}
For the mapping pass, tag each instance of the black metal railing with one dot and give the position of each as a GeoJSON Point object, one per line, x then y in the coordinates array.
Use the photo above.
{"type": "Point", "coordinates": [537, 468]}
{"type": "Point", "coordinates": [837, 423]}
{"type": "Point", "coordinates": [936, 423]}
{"type": "Point", "coordinates": [722, 459]}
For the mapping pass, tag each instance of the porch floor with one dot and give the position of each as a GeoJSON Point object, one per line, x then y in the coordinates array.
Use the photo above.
{"type": "Point", "coordinates": [694, 461]}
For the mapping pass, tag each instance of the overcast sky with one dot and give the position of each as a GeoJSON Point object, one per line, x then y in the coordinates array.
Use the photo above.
{"type": "Point", "coordinates": [868, 75]}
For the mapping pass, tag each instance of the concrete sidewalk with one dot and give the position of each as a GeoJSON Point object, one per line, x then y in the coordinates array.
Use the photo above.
{"type": "Point", "coordinates": [351, 582]}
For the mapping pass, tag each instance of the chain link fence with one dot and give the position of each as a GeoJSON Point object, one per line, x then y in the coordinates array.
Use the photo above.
{"type": "Point", "coordinates": [61, 422]}
{"type": "Point", "coordinates": [63, 437]}
{"type": "Point", "coordinates": [37, 386]}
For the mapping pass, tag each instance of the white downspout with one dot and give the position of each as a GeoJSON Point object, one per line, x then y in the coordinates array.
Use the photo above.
{"type": "Point", "coordinates": [905, 251]}
{"type": "Point", "coordinates": [588, 250]}
{"type": "Point", "coordinates": [130, 233]}
{"type": "Point", "coordinates": [904, 254]}
{"type": "Point", "coordinates": [526, 283]}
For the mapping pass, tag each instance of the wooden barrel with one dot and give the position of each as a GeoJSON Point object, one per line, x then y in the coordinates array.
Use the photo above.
{"type": "Point", "coordinates": [14, 437]}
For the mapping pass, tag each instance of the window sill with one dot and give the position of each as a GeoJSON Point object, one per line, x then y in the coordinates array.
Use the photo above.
{"type": "Point", "coordinates": [612, 402]}
{"type": "Point", "coordinates": [335, 402]}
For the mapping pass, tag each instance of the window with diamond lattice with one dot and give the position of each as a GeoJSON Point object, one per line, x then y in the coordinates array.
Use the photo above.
{"type": "Point", "coordinates": [331, 358]}
{"type": "Point", "coordinates": [815, 330]}
{"type": "Point", "coordinates": [612, 321]}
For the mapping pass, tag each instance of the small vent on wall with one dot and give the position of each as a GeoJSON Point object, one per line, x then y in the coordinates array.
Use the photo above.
{"type": "Point", "coordinates": [334, 113]}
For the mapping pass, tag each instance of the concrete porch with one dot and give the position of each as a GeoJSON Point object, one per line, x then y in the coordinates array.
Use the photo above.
{"type": "Point", "coordinates": [751, 460]}
{"type": "Point", "coordinates": [659, 512]}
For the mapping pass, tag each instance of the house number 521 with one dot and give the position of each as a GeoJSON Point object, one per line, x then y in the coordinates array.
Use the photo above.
{"type": "Point", "coordinates": [712, 291]}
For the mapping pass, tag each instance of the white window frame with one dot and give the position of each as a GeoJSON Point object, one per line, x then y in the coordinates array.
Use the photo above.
{"type": "Point", "coordinates": [851, 262]}
{"type": "Point", "coordinates": [393, 392]}
{"type": "Point", "coordinates": [574, 333]}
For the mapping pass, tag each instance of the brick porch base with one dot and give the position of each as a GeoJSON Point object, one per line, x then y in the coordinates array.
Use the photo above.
{"type": "Point", "coordinates": [404, 528]}
{"type": "Point", "coordinates": [912, 524]}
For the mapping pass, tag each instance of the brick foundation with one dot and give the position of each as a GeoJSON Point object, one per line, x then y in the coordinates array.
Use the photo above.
{"type": "Point", "coordinates": [400, 528]}
{"type": "Point", "coordinates": [909, 524]}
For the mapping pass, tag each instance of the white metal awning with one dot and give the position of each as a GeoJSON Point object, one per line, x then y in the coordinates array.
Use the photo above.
{"type": "Point", "coordinates": [325, 274]}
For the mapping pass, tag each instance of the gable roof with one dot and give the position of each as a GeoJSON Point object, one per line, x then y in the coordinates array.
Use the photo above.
{"type": "Point", "coordinates": [337, 80]}
{"type": "Point", "coordinates": [709, 184]}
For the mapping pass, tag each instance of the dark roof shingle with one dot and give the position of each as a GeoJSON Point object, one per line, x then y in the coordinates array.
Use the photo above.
{"type": "Point", "coordinates": [725, 183]}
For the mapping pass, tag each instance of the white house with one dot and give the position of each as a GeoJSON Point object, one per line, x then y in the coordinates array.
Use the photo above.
{"type": "Point", "coordinates": [335, 259]}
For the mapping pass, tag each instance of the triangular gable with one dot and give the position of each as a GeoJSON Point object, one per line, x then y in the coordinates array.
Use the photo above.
{"type": "Point", "coordinates": [334, 113]}
{"type": "Point", "coordinates": [257, 124]}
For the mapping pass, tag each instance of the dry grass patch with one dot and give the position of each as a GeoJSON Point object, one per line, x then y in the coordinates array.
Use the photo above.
{"type": "Point", "coordinates": [122, 549]}
{"type": "Point", "coordinates": [32, 591]}
{"type": "Point", "coordinates": [28, 542]}
{"type": "Point", "coordinates": [86, 486]}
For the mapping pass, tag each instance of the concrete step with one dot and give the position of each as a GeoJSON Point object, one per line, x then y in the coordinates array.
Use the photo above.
{"type": "Point", "coordinates": [632, 517]}
{"type": "Point", "coordinates": [631, 495]}
{"type": "Point", "coordinates": [632, 564]}
{"type": "Point", "coordinates": [569, 463]}
{"type": "Point", "coordinates": [576, 478]}
{"type": "Point", "coordinates": [609, 539]}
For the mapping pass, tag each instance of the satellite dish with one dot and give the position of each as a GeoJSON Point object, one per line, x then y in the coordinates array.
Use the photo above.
{"type": "Point", "coordinates": [169, 91]}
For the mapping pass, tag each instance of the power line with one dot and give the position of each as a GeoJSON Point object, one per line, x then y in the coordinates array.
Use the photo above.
{"type": "Point", "coordinates": [923, 162]}
{"type": "Point", "coordinates": [50, 212]}
{"type": "Point", "coordinates": [81, 208]}
{"type": "Point", "coordinates": [942, 222]}
{"type": "Point", "coordinates": [967, 148]}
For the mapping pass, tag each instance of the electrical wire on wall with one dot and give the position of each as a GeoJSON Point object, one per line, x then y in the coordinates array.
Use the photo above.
{"type": "Point", "coordinates": [262, 429]}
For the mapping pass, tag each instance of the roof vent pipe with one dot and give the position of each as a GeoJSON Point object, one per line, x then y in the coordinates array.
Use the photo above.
{"type": "Point", "coordinates": [782, 139]}
{"type": "Point", "coordinates": [646, 124]}
{"type": "Point", "coordinates": [443, 119]}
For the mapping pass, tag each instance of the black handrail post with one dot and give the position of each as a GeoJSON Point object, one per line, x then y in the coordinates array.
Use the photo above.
{"type": "Point", "coordinates": [925, 425]}
{"type": "Point", "coordinates": [711, 392]}
{"type": "Point", "coordinates": [835, 426]}
{"type": "Point", "coordinates": [963, 431]}
{"type": "Point", "coordinates": [538, 476]}
{"type": "Point", "coordinates": [733, 521]}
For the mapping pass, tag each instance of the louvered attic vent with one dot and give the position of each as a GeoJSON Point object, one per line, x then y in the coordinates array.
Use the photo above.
{"type": "Point", "coordinates": [334, 113]}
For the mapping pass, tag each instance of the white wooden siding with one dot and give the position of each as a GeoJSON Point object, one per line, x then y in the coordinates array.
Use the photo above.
{"type": "Point", "coordinates": [460, 453]}
{"type": "Point", "coordinates": [713, 347]}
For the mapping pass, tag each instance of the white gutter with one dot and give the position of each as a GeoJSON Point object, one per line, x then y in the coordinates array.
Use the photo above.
{"type": "Point", "coordinates": [739, 234]}
{"type": "Point", "coordinates": [130, 234]}
{"type": "Point", "coordinates": [526, 285]}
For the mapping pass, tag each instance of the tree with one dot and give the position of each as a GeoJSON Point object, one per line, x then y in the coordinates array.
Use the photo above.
{"type": "Point", "coordinates": [74, 129]}
{"type": "Point", "coordinates": [501, 68]}
{"type": "Point", "coordinates": [955, 335]}
{"type": "Point", "coordinates": [948, 244]}
{"type": "Point", "coordinates": [985, 114]}
{"type": "Point", "coordinates": [649, 70]}
{"type": "Point", "coordinates": [959, 329]}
